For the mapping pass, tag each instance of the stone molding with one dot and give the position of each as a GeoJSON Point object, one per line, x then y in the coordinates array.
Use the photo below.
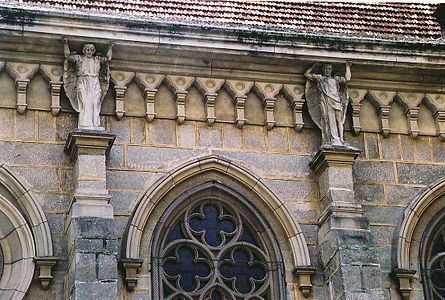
{"type": "Point", "coordinates": [22, 73]}
{"type": "Point", "coordinates": [404, 277]}
{"type": "Point", "coordinates": [294, 93]}
{"type": "Point", "coordinates": [131, 266]}
{"type": "Point", "coordinates": [330, 155]}
{"type": "Point", "coordinates": [180, 85]}
{"type": "Point", "coordinates": [121, 80]}
{"type": "Point", "coordinates": [304, 275]}
{"type": "Point", "coordinates": [209, 88]}
{"type": "Point", "coordinates": [153, 196]}
{"type": "Point", "coordinates": [18, 252]}
{"type": "Point", "coordinates": [150, 84]}
{"type": "Point", "coordinates": [53, 74]}
{"type": "Point", "coordinates": [45, 265]}
{"type": "Point", "coordinates": [84, 139]}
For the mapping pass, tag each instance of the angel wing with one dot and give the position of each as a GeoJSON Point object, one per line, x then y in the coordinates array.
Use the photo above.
{"type": "Point", "coordinates": [104, 79]}
{"type": "Point", "coordinates": [344, 100]}
{"type": "Point", "coordinates": [313, 96]}
{"type": "Point", "coordinates": [70, 83]}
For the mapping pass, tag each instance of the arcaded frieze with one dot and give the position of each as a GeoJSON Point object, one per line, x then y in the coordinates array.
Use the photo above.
{"type": "Point", "coordinates": [385, 107]}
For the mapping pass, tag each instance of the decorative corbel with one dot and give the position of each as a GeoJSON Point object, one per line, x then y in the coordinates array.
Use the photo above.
{"type": "Point", "coordinates": [304, 274]}
{"type": "Point", "coordinates": [384, 100]}
{"type": "Point", "coordinates": [268, 93]}
{"type": "Point", "coordinates": [436, 103]}
{"type": "Point", "coordinates": [131, 266]}
{"type": "Point", "coordinates": [357, 96]}
{"type": "Point", "coordinates": [22, 73]}
{"type": "Point", "coordinates": [294, 93]}
{"type": "Point", "coordinates": [179, 85]}
{"type": "Point", "coordinates": [404, 276]}
{"type": "Point", "coordinates": [121, 80]}
{"type": "Point", "coordinates": [239, 90]}
{"type": "Point", "coordinates": [209, 87]}
{"type": "Point", "coordinates": [411, 102]}
{"type": "Point", "coordinates": [150, 84]}
{"type": "Point", "coordinates": [45, 265]}
{"type": "Point", "coordinates": [53, 74]}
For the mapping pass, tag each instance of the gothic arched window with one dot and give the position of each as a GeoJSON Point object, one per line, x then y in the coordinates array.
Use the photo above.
{"type": "Point", "coordinates": [212, 244]}
{"type": "Point", "coordinates": [433, 264]}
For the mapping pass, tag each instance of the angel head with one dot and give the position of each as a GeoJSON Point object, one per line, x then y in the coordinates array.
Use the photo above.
{"type": "Point", "coordinates": [327, 69]}
{"type": "Point", "coordinates": [89, 50]}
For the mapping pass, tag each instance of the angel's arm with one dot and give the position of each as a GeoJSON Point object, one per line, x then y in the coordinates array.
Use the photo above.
{"type": "Point", "coordinates": [110, 51]}
{"type": "Point", "coordinates": [309, 73]}
{"type": "Point", "coordinates": [348, 71]}
{"type": "Point", "coordinates": [66, 50]}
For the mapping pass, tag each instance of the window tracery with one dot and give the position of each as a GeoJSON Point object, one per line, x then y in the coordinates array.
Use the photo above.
{"type": "Point", "coordinates": [212, 250]}
{"type": "Point", "coordinates": [433, 270]}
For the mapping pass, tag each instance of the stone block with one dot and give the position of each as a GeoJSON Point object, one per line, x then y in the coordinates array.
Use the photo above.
{"type": "Point", "coordinates": [373, 171]}
{"type": "Point", "coordinates": [7, 122]}
{"type": "Point", "coordinates": [123, 201]}
{"type": "Point", "coordinates": [422, 149]}
{"type": "Point", "coordinates": [390, 147]}
{"type": "Point", "coordinates": [277, 140]}
{"type": "Point", "coordinates": [31, 153]}
{"type": "Point", "coordinates": [385, 261]}
{"type": "Point", "coordinates": [400, 195]}
{"type": "Point", "coordinates": [54, 202]}
{"type": "Point", "coordinates": [90, 166]}
{"type": "Point", "coordinates": [43, 179]}
{"type": "Point", "coordinates": [107, 267]}
{"type": "Point", "coordinates": [357, 142]}
{"type": "Point", "coordinates": [93, 228]}
{"type": "Point", "coordinates": [369, 193]}
{"type": "Point", "coordinates": [130, 180]}
{"type": "Point", "coordinates": [96, 290]}
{"type": "Point", "coordinates": [112, 246]}
{"type": "Point", "coordinates": [120, 223]}
{"type": "Point", "coordinates": [56, 225]}
{"type": "Point", "coordinates": [438, 150]}
{"type": "Point", "coordinates": [85, 267]}
{"type": "Point", "coordinates": [210, 137]}
{"type": "Point", "coordinates": [352, 278]}
{"type": "Point", "coordinates": [371, 277]}
{"type": "Point", "coordinates": [407, 147]}
{"type": "Point", "coordinates": [65, 123]}
{"type": "Point", "coordinates": [382, 235]}
{"type": "Point", "coordinates": [232, 136]}
{"type": "Point", "coordinates": [254, 137]}
{"type": "Point", "coordinates": [383, 214]}
{"type": "Point", "coordinates": [162, 132]}
{"type": "Point", "coordinates": [25, 125]}
{"type": "Point", "coordinates": [116, 157]}
{"type": "Point", "coordinates": [46, 126]}
{"type": "Point", "coordinates": [419, 173]}
{"type": "Point", "coordinates": [158, 158]}
{"type": "Point", "coordinates": [272, 164]}
{"type": "Point", "coordinates": [88, 245]}
{"type": "Point", "coordinates": [138, 130]}
{"type": "Point", "coordinates": [372, 145]}
{"type": "Point", "coordinates": [186, 135]}
{"type": "Point", "coordinates": [120, 128]}
{"type": "Point", "coordinates": [293, 190]}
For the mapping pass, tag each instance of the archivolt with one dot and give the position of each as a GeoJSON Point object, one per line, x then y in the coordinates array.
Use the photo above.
{"type": "Point", "coordinates": [155, 193]}
{"type": "Point", "coordinates": [31, 210]}
{"type": "Point", "coordinates": [416, 217]}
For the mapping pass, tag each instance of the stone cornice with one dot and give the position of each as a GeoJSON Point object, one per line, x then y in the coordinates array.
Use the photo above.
{"type": "Point", "coordinates": [233, 40]}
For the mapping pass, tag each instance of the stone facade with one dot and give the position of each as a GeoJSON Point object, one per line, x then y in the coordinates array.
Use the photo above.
{"type": "Point", "coordinates": [185, 111]}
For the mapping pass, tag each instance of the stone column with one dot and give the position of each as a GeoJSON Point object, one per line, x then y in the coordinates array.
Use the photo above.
{"type": "Point", "coordinates": [92, 243]}
{"type": "Point", "coordinates": [346, 249]}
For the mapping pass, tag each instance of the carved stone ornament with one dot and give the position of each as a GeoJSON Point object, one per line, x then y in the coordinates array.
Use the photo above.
{"type": "Point", "coordinates": [86, 79]}
{"type": "Point", "coordinates": [45, 265]}
{"type": "Point", "coordinates": [54, 75]}
{"type": "Point", "coordinates": [131, 267]}
{"type": "Point", "coordinates": [404, 276]}
{"type": "Point", "coordinates": [304, 274]}
{"type": "Point", "coordinates": [121, 80]}
{"type": "Point", "coordinates": [22, 73]}
{"type": "Point", "coordinates": [327, 99]}
{"type": "Point", "coordinates": [150, 84]}
{"type": "Point", "coordinates": [180, 85]}
{"type": "Point", "coordinates": [239, 90]}
{"type": "Point", "coordinates": [209, 87]}
{"type": "Point", "coordinates": [268, 93]}
{"type": "Point", "coordinates": [294, 93]}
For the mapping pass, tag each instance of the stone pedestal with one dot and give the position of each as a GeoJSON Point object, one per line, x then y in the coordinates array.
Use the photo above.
{"type": "Point", "coordinates": [347, 253]}
{"type": "Point", "coordinates": [92, 243]}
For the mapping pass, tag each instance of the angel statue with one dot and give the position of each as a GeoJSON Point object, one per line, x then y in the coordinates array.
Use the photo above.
{"type": "Point", "coordinates": [327, 99]}
{"type": "Point", "coordinates": [86, 79]}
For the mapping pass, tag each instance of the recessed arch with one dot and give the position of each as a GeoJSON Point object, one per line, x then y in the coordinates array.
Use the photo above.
{"type": "Point", "coordinates": [154, 194]}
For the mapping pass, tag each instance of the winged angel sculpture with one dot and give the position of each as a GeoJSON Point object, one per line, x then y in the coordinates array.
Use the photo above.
{"type": "Point", "coordinates": [86, 79]}
{"type": "Point", "coordinates": [327, 99]}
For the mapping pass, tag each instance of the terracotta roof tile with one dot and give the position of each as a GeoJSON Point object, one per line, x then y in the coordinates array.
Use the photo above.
{"type": "Point", "coordinates": [385, 20]}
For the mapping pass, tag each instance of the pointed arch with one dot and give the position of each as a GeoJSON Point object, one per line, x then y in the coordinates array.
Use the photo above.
{"type": "Point", "coordinates": [154, 194]}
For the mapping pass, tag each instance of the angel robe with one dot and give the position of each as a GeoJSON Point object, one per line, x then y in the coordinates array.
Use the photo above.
{"type": "Point", "coordinates": [88, 91]}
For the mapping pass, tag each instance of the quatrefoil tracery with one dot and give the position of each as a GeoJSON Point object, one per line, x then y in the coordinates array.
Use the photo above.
{"type": "Point", "coordinates": [217, 252]}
